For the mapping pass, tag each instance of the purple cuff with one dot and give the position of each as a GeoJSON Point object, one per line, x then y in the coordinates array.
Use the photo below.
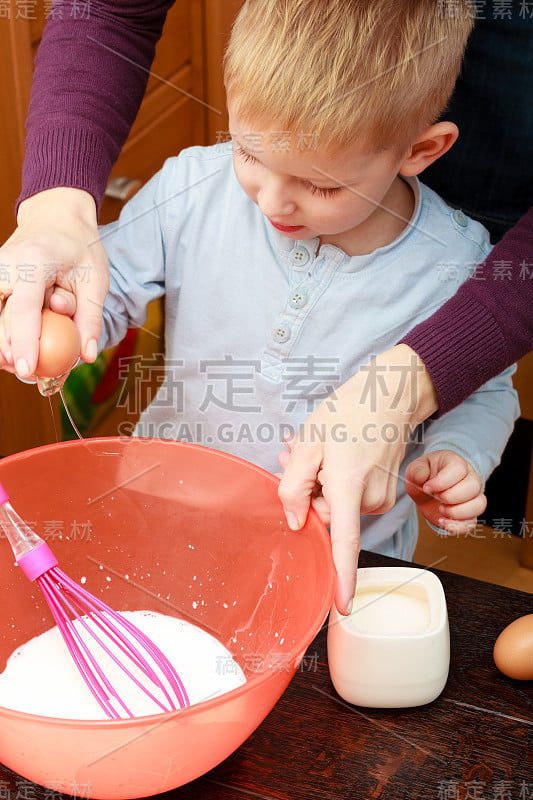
{"type": "Point", "coordinates": [65, 157]}
{"type": "Point", "coordinates": [452, 345]}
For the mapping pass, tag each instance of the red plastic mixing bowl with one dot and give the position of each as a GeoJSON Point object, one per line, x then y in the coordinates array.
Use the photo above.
{"type": "Point", "coordinates": [201, 535]}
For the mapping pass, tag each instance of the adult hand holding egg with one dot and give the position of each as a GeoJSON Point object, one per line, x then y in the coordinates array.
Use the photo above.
{"type": "Point", "coordinates": [54, 258]}
{"type": "Point", "coordinates": [59, 345]}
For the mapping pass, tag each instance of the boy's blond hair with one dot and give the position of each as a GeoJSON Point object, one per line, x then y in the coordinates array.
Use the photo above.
{"type": "Point", "coordinates": [378, 72]}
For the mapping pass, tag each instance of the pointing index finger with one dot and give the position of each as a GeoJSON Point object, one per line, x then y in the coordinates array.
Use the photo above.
{"type": "Point", "coordinates": [344, 500]}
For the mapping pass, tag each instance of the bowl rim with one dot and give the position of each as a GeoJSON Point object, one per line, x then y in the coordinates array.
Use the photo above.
{"type": "Point", "coordinates": [257, 679]}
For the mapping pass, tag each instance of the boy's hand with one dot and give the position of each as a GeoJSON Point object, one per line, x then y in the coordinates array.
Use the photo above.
{"type": "Point", "coordinates": [447, 490]}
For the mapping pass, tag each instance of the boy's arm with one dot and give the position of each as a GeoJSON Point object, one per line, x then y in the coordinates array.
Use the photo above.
{"type": "Point", "coordinates": [480, 331]}
{"type": "Point", "coordinates": [486, 326]}
{"type": "Point", "coordinates": [134, 246]}
{"type": "Point", "coordinates": [479, 428]}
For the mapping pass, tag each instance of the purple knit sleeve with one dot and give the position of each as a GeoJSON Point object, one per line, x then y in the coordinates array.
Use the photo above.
{"type": "Point", "coordinates": [486, 326]}
{"type": "Point", "coordinates": [90, 76]}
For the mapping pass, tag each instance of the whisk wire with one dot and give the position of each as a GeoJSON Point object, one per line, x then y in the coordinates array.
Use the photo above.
{"type": "Point", "coordinates": [112, 621]}
{"type": "Point", "coordinates": [103, 617]}
{"type": "Point", "coordinates": [76, 611]}
{"type": "Point", "coordinates": [78, 649]}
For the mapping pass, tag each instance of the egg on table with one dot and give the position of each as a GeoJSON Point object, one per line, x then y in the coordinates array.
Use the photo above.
{"type": "Point", "coordinates": [59, 345]}
{"type": "Point", "coordinates": [513, 650]}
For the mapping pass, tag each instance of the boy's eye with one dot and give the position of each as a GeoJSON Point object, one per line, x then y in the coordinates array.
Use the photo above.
{"type": "Point", "coordinates": [324, 191]}
{"type": "Point", "coordinates": [245, 155]}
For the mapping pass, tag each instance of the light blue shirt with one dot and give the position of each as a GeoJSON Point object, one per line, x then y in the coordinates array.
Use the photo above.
{"type": "Point", "coordinates": [260, 328]}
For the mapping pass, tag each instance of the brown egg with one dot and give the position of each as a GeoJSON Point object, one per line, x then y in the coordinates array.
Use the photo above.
{"type": "Point", "coordinates": [513, 650]}
{"type": "Point", "coordinates": [59, 346]}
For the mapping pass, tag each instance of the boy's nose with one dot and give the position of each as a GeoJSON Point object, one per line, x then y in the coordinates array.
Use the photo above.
{"type": "Point", "coordinates": [274, 200]}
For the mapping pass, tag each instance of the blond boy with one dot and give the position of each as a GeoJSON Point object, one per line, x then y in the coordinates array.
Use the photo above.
{"type": "Point", "coordinates": [290, 257]}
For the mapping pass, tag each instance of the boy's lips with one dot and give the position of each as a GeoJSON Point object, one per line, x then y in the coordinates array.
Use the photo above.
{"type": "Point", "coordinates": [285, 228]}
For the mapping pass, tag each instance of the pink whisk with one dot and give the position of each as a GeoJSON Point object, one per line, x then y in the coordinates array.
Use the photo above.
{"type": "Point", "coordinates": [138, 657]}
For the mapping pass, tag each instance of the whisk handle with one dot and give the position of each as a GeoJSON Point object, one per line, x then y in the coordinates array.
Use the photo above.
{"type": "Point", "coordinates": [37, 562]}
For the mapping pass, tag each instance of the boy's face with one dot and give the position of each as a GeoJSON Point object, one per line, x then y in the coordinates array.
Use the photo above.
{"type": "Point", "coordinates": [342, 197]}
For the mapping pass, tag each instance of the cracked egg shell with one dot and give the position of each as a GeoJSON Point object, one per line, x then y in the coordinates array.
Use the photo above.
{"type": "Point", "coordinates": [59, 345]}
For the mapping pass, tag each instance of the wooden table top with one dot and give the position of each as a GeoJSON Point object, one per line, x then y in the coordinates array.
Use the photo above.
{"type": "Point", "coordinates": [475, 742]}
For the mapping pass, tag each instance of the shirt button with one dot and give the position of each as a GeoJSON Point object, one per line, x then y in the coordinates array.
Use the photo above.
{"type": "Point", "coordinates": [298, 299]}
{"type": "Point", "coordinates": [281, 333]}
{"type": "Point", "coordinates": [300, 256]}
{"type": "Point", "coordinates": [460, 218]}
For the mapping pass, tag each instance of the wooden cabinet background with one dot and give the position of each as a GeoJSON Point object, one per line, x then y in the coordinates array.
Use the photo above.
{"type": "Point", "coordinates": [184, 105]}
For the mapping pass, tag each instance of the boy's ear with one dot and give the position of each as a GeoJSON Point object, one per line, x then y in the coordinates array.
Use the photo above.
{"type": "Point", "coordinates": [430, 145]}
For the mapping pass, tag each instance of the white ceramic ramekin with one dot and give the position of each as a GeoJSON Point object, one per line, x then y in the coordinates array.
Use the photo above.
{"type": "Point", "coordinates": [393, 650]}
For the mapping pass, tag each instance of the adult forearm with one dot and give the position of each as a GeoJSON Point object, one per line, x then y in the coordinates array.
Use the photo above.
{"type": "Point", "coordinates": [486, 326]}
{"type": "Point", "coordinates": [90, 76]}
